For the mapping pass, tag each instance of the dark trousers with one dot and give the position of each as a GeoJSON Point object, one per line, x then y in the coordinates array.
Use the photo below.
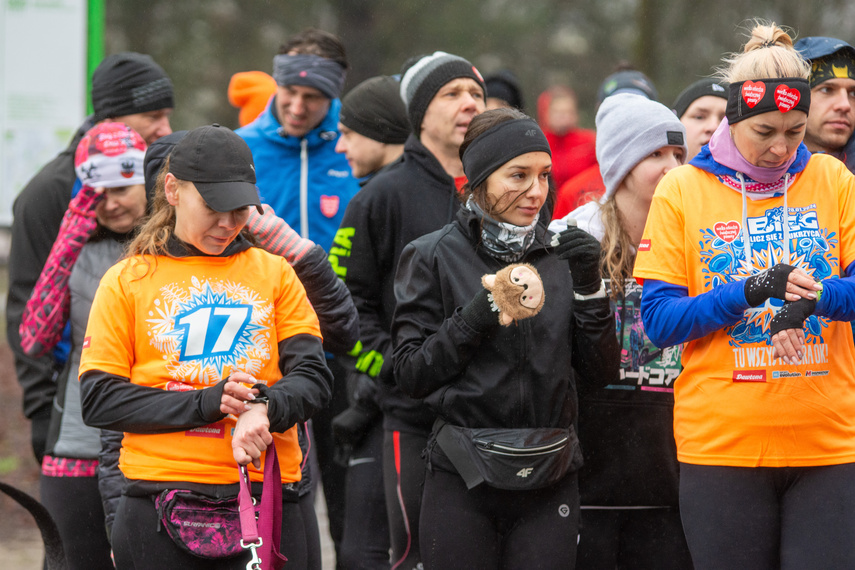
{"type": "Point", "coordinates": [365, 544]}
{"type": "Point", "coordinates": [138, 545]}
{"type": "Point", "coordinates": [403, 479]}
{"type": "Point", "coordinates": [620, 539]}
{"type": "Point", "coordinates": [75, 505]}
{"type": "Point", "coordinates": [769, 517]}
{"type": "Point", "coordinates": [497, 529]}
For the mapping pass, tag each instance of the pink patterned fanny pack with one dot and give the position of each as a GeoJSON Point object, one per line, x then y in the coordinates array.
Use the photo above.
{"type": "Point", "coordinates": [200, 525]}
{"type": "Point", "coordinates": [223, 528]}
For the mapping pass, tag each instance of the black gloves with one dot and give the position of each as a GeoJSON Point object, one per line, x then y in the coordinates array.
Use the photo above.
{"type": "Point", "coordinates": [582, 252]}
{"type": "Point", "coordinates": [479, 313]}
{"type": "Point", "coordinates": [792, 315]}
{"type": "Point", "coordinates": [769, 283]}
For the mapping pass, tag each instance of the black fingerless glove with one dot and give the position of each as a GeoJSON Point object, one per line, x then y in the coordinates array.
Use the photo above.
{"type": "Point", "coordinates": [582, 252]}
{"type": "Point", "coordinates": [480, 313]}
{"type": "Point", "coordinates": [768, 284]}
{"type": "Point", "coordinates": [792, 315]}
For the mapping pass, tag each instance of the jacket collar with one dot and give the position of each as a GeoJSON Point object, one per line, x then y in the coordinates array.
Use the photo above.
{"type": "Point", "coordinates": [177, 248]}
{"type": "Point", "coordinates": [415, 151]}
{"type": "Point", "coordinates": [325, 132]}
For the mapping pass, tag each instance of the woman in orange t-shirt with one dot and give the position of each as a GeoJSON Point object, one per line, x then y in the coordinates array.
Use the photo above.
{"type": "Point", "coordinates": [748, 256]}
{"type": "Point", "coordinates": [204, 350]}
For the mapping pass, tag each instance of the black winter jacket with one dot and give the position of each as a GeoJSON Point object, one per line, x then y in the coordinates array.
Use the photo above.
{"type": "Point", "coordinates": [38, 212]}
{"type": "Point", "coordinates": [408, 199]}
{"type": "Point", "coordinates": [520, 376]}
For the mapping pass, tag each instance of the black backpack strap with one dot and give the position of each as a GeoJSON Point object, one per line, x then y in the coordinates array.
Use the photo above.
{"type": "Point", "coordinates": [54, 553]}
{"type": "Point", "coordinates": [455, 452]}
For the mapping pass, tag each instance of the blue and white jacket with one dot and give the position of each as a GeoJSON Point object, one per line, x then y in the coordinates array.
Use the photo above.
{"type": "Point", "coordinates": [306, 182]}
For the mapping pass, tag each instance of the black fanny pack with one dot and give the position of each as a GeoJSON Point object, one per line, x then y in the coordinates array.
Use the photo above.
{"type": "Point", "coordinates": [512, 459]}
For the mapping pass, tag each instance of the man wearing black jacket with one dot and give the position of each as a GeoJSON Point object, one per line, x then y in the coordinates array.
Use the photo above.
{"type": "Point", "coordinates": [126, 87]}
{"type": "Point", "coordinates": [374, 127]}
{"type": "Point", "coordinates": [409, 199]}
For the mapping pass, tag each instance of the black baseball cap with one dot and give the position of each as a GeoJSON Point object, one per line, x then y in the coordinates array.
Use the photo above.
{"type": "Point", "coordinates": [219, 163]}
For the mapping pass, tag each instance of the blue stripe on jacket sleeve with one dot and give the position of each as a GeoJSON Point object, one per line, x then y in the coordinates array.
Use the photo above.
{"type": "Point", "coordinates": [672, 317]}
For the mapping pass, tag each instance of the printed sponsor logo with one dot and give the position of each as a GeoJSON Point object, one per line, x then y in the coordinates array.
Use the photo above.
{"type": "Point", "coordinates": [338, 173]}
{"type": "Point", "coordinates": [172, 386]}
{"type": "Point", "coordinates": [329, 205]}
{"type": "Point", "coordinates": [197, 524]}
{"type": "Point", "coordinates": [563, 511]}
{"type": "Point", "coordinates": [525, 472]}
{"type": "Point", "coordinates": [786, 98]}
{"type": "Point", "coordinates": [644, 245]}
{"type": "Point", "coordinates": [749, 375]}
{"type": "Point", "coordinates": [217, 431]}
{"type": "Point", "coordinates": [727, 231]}
{"type": "Point", "coordinates": [816, 373]}
{"type": "Point", "coordinates": [752, 92]}
{"type": "Point", "coordinates": [87, 342]}
{"type": "Point", "coordinates": [786, 374]}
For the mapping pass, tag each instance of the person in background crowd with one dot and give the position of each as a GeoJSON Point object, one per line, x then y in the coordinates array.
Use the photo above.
{"type": "Point", "coordinates": [109, 162]}
{"type": "Point", "coordinates": [750, 251]}
{"type": "Point", "coordinates": [503, 90]}
{"type": "Point", "coordinates": [309, 185]}
{"type": "Point", "coordinates": [629, 482]}
{"type": "Point", "coordinates": [190, 261]}
{"type": "Point", "coordinates": [831, 121]}
{"type": "Point", "coordinates": [127, 87]}
{"type": "Point", "coordinates": [374, 127]}
{"type": "Point", "coordinates": [250, 91]}
{"type": "Point", "coordinates": [572, 147]}
{"type": "Point", "coordinates": [700, 107]}
{"type": "Point", "coordinates": [410, 198]}
{"type": "Point", "coordinates": [494, 384]}
{"type": "Point", "coordinates": [588, 184]}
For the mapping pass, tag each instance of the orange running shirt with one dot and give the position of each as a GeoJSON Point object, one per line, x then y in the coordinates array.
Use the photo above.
{"type": "Point", "coordinates": [185, 324]}
{"type": "Point", "coordinates": [734, 404]}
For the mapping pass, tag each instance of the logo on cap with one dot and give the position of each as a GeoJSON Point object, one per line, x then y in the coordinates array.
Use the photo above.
{"type": "Point", "coordinates": [675, 138]}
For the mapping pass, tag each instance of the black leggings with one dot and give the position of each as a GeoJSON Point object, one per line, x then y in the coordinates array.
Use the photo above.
{"type": "Point", "coordinates": [769, 517]}
{"type": "Point", "coordinates": [365, 544]}
{"type": "Point", "coordinates": [403, 479]}
{"type": "Point", "coordinates": [492, 528]}
{"type": "Point", "coordinates": [138, 545]}
{"type": "Point", "coordinates": [612, 539]}
{"type": "Point", "coordinates": [75, 505]}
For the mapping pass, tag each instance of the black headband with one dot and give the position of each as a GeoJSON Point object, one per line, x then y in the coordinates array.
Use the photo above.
{"type": "Point", "coordinates": [499, 144]}
{"type": "Point", "coordinates": [749, 98]}
{"type": "Point", "coordinates": [322, 73]}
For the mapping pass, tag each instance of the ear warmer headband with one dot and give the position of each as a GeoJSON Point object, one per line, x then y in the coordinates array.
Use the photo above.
{"type": "Point", "coordinates": [323, 74]}
{"type": "Point", "coordinates": [750, 98]}
{"type": "Point", "coordinates": [499, 144]}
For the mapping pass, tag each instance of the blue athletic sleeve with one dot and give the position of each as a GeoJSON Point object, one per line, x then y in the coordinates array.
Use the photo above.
{"type": "Point", "coordinates": [671, 317]}
{"type": "Point", "coordinates": [837, 301]}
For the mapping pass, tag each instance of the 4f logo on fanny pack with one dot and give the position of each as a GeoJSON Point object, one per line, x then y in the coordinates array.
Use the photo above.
{"type": "Point", "coordinates": [525, 472]}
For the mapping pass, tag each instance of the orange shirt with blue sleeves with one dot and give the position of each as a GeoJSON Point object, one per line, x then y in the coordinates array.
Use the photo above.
{"type": "Point", "coordinates": [735, 404]}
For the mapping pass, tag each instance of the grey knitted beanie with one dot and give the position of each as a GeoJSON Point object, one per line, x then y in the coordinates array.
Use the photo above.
{"type": "Point", "coordinates": [629, 128]}
{"type": "Point", "coordinates": [425, 77]}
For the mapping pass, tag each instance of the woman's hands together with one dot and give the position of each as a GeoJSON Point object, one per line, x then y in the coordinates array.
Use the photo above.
{"type": "Point", "coordinates": [252, 432]}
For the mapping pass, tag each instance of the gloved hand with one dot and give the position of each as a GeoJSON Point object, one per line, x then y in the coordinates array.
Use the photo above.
{"type": "Point", "coordinates": [768, 284]}
{"type": "Point", "coordinates": [481, 313]}
{"type": "Point", "coordinates": [276, 236]}
{"type": "Point", "coordinates": [792, 315]}
{"type": "Point", "coordinates": [351, 425]}
{"type": "Point", "coordinates": [582, 252]}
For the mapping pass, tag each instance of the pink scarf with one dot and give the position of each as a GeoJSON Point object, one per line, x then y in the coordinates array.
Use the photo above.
{"type": "Point", "coordinates": [724, 152]}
